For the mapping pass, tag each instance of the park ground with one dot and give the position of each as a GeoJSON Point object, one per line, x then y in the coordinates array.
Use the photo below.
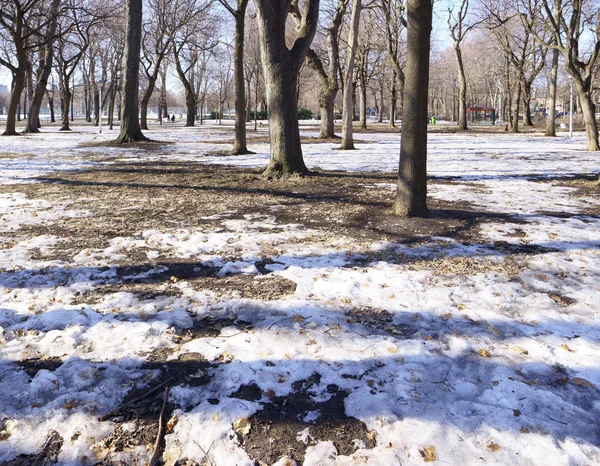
{"type": "Point", "coordinates": [166, 299]}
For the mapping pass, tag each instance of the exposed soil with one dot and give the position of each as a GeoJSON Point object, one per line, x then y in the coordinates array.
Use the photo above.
{"type": "Point", "coordinates": [275, 428]}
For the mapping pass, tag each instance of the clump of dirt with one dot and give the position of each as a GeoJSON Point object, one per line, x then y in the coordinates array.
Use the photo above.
{"type": "Point", "coordinates": [33, 366]}
{"type": "Point", "coordinates": [288, 425]}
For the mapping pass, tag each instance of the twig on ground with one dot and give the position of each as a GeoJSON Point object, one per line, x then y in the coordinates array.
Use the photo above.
{"type": "Point", "coordinates": [161, 430]}
{"type": "Point", "coordinates": [114, 411]}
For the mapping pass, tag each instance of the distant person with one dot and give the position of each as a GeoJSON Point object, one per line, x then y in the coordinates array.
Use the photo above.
{"type": "Point", "coordinates": [173, 118]}
{"type": "Point", "coordinates": [168, 117]}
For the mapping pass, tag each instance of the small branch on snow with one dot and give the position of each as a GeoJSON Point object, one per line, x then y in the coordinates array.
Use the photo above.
{"type": "Point", "coordinates": [114, 411]}
{"type": "Point", "coordinates": [161, 430]}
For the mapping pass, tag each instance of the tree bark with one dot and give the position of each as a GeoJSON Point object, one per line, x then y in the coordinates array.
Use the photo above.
{"type": "Point", "coordinates": [527, 120]}
{"type": "Point", "coordinates": [589, 118]}
{"type": "Point", "coordinates": [348, 109]}
{"type": "Point", "coordinates": [33, 118]}
{"type": "Point", "coordinates": [130, 123]}
{"type": "Point", "coordinates": [411, 196]}
{"type": "Point", "coordinates": [281, 67]}
{"type": "Point", "coordinates": [239, 144]}
{"type": "Point", "coordinates": [551, 119]}
{"type": "Point", "coordinates": [462, 92]}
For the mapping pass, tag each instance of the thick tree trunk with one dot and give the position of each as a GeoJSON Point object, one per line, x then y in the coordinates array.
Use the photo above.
{"type": "Point", "coordinates": [13, 104]}
{"type": "Point", "coordinates": [327, 107]}
{"type": "Point", "coordinates": [130, 123]}
{"type": "Point", "coordinates": [462, 93]}
{"type": "Point", "coordinates": [66, 103]}
{"type": "Point", "coordinates": [286, 151]}
{"type": "Point", "coordinates": [551, 119]}
{"type": "Point", "coordinates": [411, 197]}
{"type": "Point", "coordinates": [239, 144]}
{"type": "Point", "coordinates": [589, 118]}
{"type": "Point", "coordinates": [348, 109]}
{"type": "Point", "coordinates": [281, 67]}
{"type": "Point", "coordinates": [190, 104]}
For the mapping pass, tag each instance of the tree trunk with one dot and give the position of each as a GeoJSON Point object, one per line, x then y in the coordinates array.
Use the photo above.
{"type": "Point", "coordinates": [462, 94]}
{"type": "Point", "coordinates": [65, 101]}
{"type": "Point", "coordinates": [363, 101]}
{"type": "Point", "coordinates": [33, 119]}
{"type": "Point", "coordinates": [281, 67]}
{"type": "Point", "coordinates": [411, 196]}
{"type": "Point", "coordinates": [51, 105]}
{"type": "Point", "coordinates": [286, 151]}
{"type": "Point", "coordinates": [527, 120]}
{"type": "Point", "coordinates": [551, 119]}
{"type": "Point", "coordinates": [130, 123]}
{"type": "Point", "coordinates": [348, 109]}
{"type": "Point", "coordinates": [239, 144]}
{"type": "Point", "coordinates": [515, 110]}
{"type": "Point", "coordinates": [327, 107]}
{"type": "Point", "coordinates": [589, 117]}
{"type": "Point", "coordinates": [190, 104]}
{"type": "Point", "coordinates": [146, 99]}
{"type": "Point", "coordinates": [393, 102]}
{"type": "Point", "coordinates": [13, 105]}
{"type": "Point", "coordinates": [380, 116]}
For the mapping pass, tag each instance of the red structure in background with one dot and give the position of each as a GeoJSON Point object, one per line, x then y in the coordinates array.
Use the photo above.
{"type": "Point", "coordinates": [481, 115]}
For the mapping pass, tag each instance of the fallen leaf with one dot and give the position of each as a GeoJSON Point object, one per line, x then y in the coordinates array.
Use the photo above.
{"type": "Point", "coordinates": [483, 353]}
{"type": "Point", "coordinates": [582, 382]}
{"type": "Point", "coordinates": [71, 404]}
{"type": "Point", "coordinates": [494, 447]}
{"type": "Point", "coordinates": [171, 456]}
{"type": "Point", "coordinates": [297, 318]}
{"type": "Point", "coordinates": [242, 426]}
{"type": "Point", "coordinates": [563, 346]}
{"type": "Point", "coordinates": [428, 454]}
{"type": "Point", "coordinates": [172, 422]}
{"type": "Point", "coordinates": [372, 434]}
{"type": "Point", "coordinates": [216, 417]}
{"type": "Point", "coordinates": [520, 350]}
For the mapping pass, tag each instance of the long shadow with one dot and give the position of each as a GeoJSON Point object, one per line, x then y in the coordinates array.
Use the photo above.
{"type": "Point", "coordinates": [466, 392]}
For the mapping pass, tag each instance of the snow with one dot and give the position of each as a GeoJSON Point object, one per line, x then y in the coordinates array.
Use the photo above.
{"type": "Point", "coordinates": [467, 360]}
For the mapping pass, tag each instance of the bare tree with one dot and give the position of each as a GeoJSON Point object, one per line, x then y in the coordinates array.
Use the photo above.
{"type": "Point", "coordinates": [458, 30]}
{"type": "Point", "coordinates": [45, 68]}
{"type": "Point", "coordinates": [24, 22]}
{"type": "Point", "coordinates": [327, 70]}
{"type": "Point", "coordinates": [130, 122]}
{"type": "Point", "coordinates": [411, 196]}
{"type": "Point", "coordinates": [348, 107]}
{"type": "Point", "coordinates": [567, 20]}
{"type": "Point", "coordinates": [281, 66]}
{"type": "Point", "coordinates": [239, 14]}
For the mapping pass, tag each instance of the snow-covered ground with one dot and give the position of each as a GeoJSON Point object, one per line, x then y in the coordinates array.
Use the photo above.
{"type": "Point", "coordinates": [460, 353]}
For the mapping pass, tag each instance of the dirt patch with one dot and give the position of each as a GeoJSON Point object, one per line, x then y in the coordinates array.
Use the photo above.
{"type": "Point", "coordinates": [287, 426]}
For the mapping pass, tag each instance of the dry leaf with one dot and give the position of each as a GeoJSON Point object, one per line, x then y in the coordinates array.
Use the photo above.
{"type": "Point", "coordinates": [483, 353]}
{"type": "Point", "coordinates": [216, 417]}
{"type": "Point", "coordinates": [242, 426]}
{"type": "Point", "coordinates": [520, 350]}
{"type": "Point", "coordinates": [171, 456]}
{"type": "Point", "coordinates": [494, 447]}
{"type": "Point", "coordinates": [371, 434]}
{"type": "Point", "coordinates": [71, 404]}
{"type": "Point", "coordinates": [563, 346]}
{"type": "Point", "coordinates": [172, 422]}
{"type": "Point", "coordinates": [297, 318]}
{"type": "Point", "coordinates": [583, 382]}
{"type": "Point", "coordinates": [428, 454]}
